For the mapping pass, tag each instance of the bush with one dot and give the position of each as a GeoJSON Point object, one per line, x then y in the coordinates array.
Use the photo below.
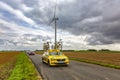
{"type": "Point", "coordinates": [104, 50]}
{"type": "Point", "coordinates": [68, 50]}
{"type": "Point", "coordinates": [92, 50]}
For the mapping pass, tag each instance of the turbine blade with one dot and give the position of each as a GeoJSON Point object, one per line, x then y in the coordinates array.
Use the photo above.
{"type": "Point", "coordinates": [51, 21]}
{"type": "Point", "coordinates": [54, 17]}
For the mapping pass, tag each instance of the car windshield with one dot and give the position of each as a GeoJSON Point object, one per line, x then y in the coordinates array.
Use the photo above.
{"type": "Point", "coordinates": [55, 53]}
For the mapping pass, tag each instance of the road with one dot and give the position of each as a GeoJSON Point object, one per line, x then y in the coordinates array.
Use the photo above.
{"type": "Point", "coordinates": [75, 71]}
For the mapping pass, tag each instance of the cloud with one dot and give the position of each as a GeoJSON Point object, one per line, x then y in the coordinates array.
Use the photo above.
{"type": "Point", "coordinates": [18, 14]}
{"type": "Point", "coordinates": [99, 19]}
{"type": "Point", "coordinates": [97, 22]}
{"type": "Point", "coordinates": [18, 4]}
{"type": "Point", "coordinates": [13, 35]}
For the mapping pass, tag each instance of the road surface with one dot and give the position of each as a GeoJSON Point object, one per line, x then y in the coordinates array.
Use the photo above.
{"type": "Point", "coordinates": [75, 71]}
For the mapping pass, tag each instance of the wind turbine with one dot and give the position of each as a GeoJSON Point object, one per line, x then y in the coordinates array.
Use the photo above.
{"type": "Point", "coordinates": [54, 19]}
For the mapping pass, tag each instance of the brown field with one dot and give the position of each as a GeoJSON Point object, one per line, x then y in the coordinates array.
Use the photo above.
{"type": "Point", "coordinates": [103, 57]}
{"type": "Point", "coordinates": [7, 62]}
{"type": "Point", "coordinates": [7, 56]}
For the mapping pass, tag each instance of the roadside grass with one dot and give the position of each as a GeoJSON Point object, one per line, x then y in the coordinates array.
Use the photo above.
{"type": "Point", "coordinates": [24, 69]}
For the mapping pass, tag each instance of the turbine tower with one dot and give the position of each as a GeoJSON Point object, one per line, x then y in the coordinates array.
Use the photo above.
{"type": "Point", "coordinates": [55, 24]}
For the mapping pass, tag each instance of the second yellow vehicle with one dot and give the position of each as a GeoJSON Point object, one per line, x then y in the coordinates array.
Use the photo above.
{"type": "Point", "coordinates": [54, 57]}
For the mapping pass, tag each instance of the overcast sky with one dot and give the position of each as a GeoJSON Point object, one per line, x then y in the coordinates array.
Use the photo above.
{"type": "Point", "coordinates": [82, 24]}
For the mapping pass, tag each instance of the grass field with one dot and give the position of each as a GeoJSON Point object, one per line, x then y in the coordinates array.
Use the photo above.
{"type": "Point", "coordinates": [7, 63]}
{"type": "Point", "coordinates": [24, 69]}
{"type": "Point", "coordinates": [110, 59]}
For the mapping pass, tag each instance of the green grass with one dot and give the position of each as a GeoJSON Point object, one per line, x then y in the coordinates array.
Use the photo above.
{"type": "Point", "coordinates": [24, 69]}
{"type": "Point", "coordinates": [97, 63]}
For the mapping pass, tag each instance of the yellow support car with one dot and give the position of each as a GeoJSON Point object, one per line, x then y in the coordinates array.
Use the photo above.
{"type": "Point", "coordinates": [54, 57]}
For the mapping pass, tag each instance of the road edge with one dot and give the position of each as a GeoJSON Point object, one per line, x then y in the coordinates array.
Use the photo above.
{"type": "Point", "coordinates": [39, 74]}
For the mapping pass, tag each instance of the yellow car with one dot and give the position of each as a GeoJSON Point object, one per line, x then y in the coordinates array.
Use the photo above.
{"type": "Point", "coordinates": [54, 57]}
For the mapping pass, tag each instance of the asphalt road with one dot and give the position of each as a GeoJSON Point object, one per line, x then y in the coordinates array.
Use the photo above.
{"type": "Point", "coordinates": [75, 71]}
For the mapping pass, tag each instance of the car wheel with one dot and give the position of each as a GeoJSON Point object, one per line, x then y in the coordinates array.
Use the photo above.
{"type": "Point", "coordinates": [49, 63]}
{"type": "Point", "coordinates": [42, 60]}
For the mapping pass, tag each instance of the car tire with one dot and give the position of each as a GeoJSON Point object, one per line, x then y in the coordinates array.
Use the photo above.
{"type": "Point", "coordinates": [42, 60]}
{"type": "Point", "coordinates": [49, 63]}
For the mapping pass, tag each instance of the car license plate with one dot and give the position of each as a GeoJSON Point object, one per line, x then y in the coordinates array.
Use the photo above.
{"type": "Point", "coordinates": [61, 62]}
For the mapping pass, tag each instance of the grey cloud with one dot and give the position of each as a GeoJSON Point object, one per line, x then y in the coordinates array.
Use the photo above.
{"type": "Point", "coordinates": [42, 12]}
{"type": "Point", "coordinates": [2, 42]}
{"type": "Point", "coordinates": [5, 42]}
{"type": "Point", "coordinates": [31, 3]}
{"type": "Point", "coordinates": [72, 17]}
{"type": "Point", "coordinates": [108, 26]}
{"type": "Point", "coordinates": [14, 3]}
{"type": "Point", "coordinates": [4, 27]}
{"type": "Point", "coordinates": [33, 37]}
{"type": "Point", "coordinates": [11, 37]}
{"type": "Point", "coordinates": [98, 39]}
